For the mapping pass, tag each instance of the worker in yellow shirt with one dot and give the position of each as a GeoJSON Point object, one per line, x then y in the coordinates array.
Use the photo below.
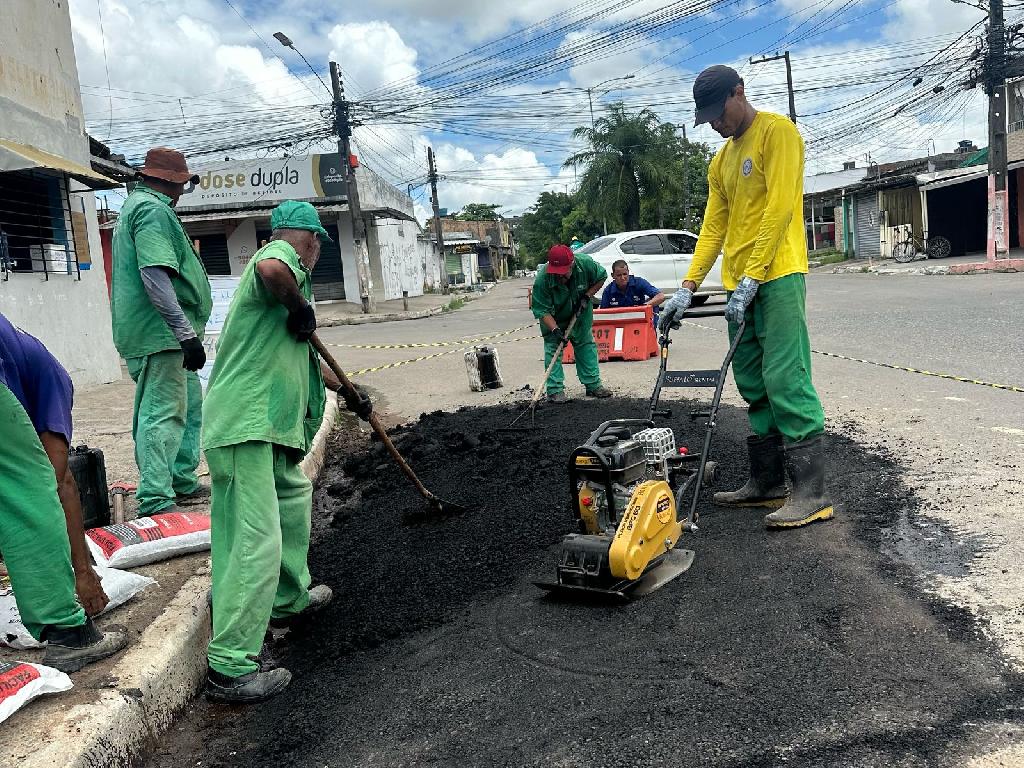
{"type": "Point", "coordinates": [754, 217]}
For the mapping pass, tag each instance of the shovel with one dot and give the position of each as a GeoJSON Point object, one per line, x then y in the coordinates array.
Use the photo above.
{"type": "Point", "coordinates": [532, 407]}
{"type": "Point", "coordinates": [435, 505]}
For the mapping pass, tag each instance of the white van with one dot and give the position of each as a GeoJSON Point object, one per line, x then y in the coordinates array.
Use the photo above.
{"type": "Point", "coordinates": [660, 256]}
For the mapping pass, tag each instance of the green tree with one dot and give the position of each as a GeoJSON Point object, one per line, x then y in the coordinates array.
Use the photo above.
{"type": "Point", "coordinates": [682, 208]}
{"type": "Point", "coordinates": [478, 212]}
{"type": "Point", "coordinates": [629, 159]}
{"type": "Point", "coordinates": [579, 223]}
{"type": "Point", "coordinates": [541, 226]}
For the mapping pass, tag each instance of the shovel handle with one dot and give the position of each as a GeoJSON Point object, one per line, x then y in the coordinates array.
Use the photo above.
{"type": "Point", "coordinates": [374, 422]}
{"type": "Point", "coordinates": [554, 361]}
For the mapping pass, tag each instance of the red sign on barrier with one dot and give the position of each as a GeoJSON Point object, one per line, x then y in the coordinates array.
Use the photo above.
{"type": "Point", "coordinates": [622, 333]}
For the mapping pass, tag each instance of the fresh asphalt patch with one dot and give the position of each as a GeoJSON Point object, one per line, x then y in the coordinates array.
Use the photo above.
{"type": "Point", "coordinates": [811, 647]}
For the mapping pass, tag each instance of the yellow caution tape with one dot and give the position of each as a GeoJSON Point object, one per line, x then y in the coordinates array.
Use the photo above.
{"type": "Point", "coordinates": [458, 343]}
{"type": "Point", "coordinates": [905, 368]}
{"type": "Point", "coordinates": [397, 363]}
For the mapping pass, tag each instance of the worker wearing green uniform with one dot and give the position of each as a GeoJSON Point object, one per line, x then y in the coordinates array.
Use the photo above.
{"type": "Point", "coordinates": [566, 285]}
{"type": "Point", "coordinates": [754, 217]}
{"type": "Point", "coordinates": [35, 546]}
{"type": "Point", "coordinates": [264, 404]}
{"type": "Point", "coordinates": [160, 302]}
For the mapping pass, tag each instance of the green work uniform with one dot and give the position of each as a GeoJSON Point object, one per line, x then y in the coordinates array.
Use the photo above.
{"type": "Point", "coordinates": [772, 365]}
{"type": "Point", "coordinates": [33, 534]}
{"type": "Point", "coordinates": [168, 399]}
{"type": "Point", "coordinates": [264, 404]}
{"type": "Point", "coordinates": [550, 297]}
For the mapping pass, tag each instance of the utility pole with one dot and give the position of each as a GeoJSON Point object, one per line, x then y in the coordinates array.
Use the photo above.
{"type": "Point", "coordinates": [998, 209]}
{"type": "Point", "coordinates": [789, 78]}
{"type": "Point", "coordinates": [438, 229]}
{"type": "Point", "coordinates": [686, 182]}
{"type": "Point", "coordinates": [343, 128]}
{"type": "Point", "coordinates": [590, 99]}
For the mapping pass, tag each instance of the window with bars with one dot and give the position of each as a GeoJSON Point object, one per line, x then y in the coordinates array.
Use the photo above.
{"type": "Point", "coordinates": [37, 229]}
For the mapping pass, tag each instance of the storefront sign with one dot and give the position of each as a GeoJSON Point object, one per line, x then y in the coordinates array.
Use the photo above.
{"type": "Point", "coordinates": [268, 180]}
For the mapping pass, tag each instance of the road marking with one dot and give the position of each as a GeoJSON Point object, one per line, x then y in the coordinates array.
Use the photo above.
{"type": "Point", "coordinates": [1008, 430]}
{"type": "Point", "coordinates": [905, 368]}
{"type": "Point", "coordinates": [457, 343]}
{"type": "Point", "coordinates": [410, 361]}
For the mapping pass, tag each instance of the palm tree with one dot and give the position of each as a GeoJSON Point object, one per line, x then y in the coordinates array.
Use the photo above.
{"type": "Point", "coordinates": [630, 158]}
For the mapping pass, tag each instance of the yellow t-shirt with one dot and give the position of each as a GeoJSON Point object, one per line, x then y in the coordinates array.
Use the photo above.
{"type": "Point", "coordinates": [754, 214]}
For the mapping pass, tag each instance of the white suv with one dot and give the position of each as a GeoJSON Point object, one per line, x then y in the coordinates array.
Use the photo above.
{"type": "Point", "coordinates": [660, 256]}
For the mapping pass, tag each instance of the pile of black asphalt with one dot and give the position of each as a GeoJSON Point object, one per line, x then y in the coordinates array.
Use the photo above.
{"type": "Point", "coordinates": [810, 647]}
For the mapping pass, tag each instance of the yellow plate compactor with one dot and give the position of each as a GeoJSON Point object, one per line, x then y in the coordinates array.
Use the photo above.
{"type": "Point", "coordinates": [627, 484]}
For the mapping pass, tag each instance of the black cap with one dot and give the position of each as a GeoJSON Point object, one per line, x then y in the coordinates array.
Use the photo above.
{"type": "Point", "coordinates": [710, 90]}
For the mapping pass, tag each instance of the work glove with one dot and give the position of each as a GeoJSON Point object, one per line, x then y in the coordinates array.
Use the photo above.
{"type": "Point", "coordinates": [357, 401]}
{"type": "Point", "coordinates": [583, 301]}
{"type": "Point", "coordinates": [558, 335]}
{"type": "Point", "coordinates": [740, 299]}
{"type": "Point", "coordinates": [302, 322]}
{"type": "Point", "coordinates": [674, 308]}
{"type": "Point", "coordinates": [195, 354]}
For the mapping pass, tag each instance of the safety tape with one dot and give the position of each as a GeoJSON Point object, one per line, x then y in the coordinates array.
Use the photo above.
{"type": "Point", "coordinates": [410, 361]}
{"type": "Point", "coordinates": [458, 343]}
{"type": "Point", "coordinates": [905, 368]}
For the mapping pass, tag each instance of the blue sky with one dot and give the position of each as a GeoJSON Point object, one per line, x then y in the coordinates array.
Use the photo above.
{"type": "Point", "coordinates": [207, 75]}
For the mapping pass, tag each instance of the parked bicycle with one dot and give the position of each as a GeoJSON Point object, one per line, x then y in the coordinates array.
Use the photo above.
{"type": "Point", "coordinates": [911, 248]}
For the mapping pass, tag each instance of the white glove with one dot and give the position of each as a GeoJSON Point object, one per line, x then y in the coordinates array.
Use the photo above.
{"type": "Point", "coordinates": [740, 299]}
{"type": "Point", "coordinates": [679, 303]}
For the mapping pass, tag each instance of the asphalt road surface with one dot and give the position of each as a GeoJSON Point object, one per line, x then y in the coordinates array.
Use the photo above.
{"type": "Point", "coordinates": [890, 636]}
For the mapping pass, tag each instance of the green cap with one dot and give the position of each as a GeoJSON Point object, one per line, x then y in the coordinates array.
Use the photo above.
{"type": "Point", "coordinates": [291, 214]}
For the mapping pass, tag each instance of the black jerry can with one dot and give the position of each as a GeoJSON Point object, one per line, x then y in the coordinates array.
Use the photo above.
{"type": "Point", "coordinates": [90, 473]}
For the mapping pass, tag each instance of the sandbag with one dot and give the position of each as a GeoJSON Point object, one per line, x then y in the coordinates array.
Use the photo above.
{"type": "Point", "coordinates": [120, 586]}
{"type": "Point", "coordinates": [149, 539]}
{"type": "Point", "coordinates": [20, 682]}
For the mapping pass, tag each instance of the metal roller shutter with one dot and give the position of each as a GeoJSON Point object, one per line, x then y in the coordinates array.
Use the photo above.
{"type": "Point", "coordinates": [867, 228]}
{"type": "Point", "coordinates": [213, 252]}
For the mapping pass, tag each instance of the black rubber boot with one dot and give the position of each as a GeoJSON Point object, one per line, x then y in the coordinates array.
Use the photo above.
{"type": "Point", "coordinates": [808, 502]}
{"type": "Point", "coordinates": [247, 689]}
{"type": "Point", "coordinates": [71, 648]}
{"type": "Point", "coordinates": [766, 486]}
{"type": "Point", "coordinates": [319, 596]}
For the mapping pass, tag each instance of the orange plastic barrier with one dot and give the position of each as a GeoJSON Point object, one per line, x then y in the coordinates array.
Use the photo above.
{"type": "Point", "coordinates": [622, 333]}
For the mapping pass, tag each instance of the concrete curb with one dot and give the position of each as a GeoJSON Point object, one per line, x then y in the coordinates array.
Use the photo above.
{"type": "Point", "coordinates": [156, 677]}
{"type": "Point", "coordinates": [979, 268]}
{"type": "Point", "coordinates": [364, 319]}
{"type": "Point", "coordinates": [393, 316]}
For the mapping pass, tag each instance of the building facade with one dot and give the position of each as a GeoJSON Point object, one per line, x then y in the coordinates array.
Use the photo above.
{"type": "Point", "coordinates": [228, 215]}
{"type": "Point", "coordinates": [49, 236]}
{"type": "Point", "coordinates": [490, 244]}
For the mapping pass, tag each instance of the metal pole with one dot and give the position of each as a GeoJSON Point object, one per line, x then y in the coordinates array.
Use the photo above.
{"type": "Point", "coordinates": [686, 181]}
{"type": "Point", "coordinates": [438, 229]}
{"type": "Point", "coordinates": [789, 83]}
{"type": "Point", "coordinates": [343, 128]}
{"type": "Point", "coordinates": [998, 212]}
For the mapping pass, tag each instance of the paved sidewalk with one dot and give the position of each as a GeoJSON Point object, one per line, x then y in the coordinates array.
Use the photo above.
{"type": "Point", "coordinates": [955, 265]}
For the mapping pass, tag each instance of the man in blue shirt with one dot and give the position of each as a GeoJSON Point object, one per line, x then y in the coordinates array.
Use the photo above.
{"type": "Point", "coordinates": [44, 550]}
{"type": "Point", "coordinates": [628, 290]}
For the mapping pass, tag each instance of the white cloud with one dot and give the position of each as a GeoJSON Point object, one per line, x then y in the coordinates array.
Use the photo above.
{"type": "Point", "coordinates": [512, 179]}
{"type": "Point", "coordinates": [372, 54]}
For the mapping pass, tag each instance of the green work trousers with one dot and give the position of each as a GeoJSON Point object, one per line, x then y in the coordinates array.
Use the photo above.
{"type": "Point", "coordinates": [772, 365]}
{"type": "Point", "coordinates": [584, 349]}
{"type": "Point", "coordinates": [166, 425]}
{"type": "Point", "coordinates": [261, 508]}
{"type": "Point", "coordinates": [33, 535]}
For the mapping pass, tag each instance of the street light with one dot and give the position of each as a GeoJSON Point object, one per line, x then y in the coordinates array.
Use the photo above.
{"type": "Point", "coordinates": [286, 41]}
{"type": "Point", "coordinates": [590, 92]}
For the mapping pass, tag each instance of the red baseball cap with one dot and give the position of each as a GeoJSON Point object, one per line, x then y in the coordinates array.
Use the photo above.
{"type": "Point", "coordinates": [560, 260]}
